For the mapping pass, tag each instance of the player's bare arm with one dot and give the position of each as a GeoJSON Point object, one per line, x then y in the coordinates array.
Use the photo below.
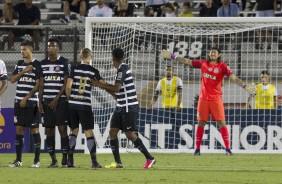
{"type": "Point", "coordinates": [53, 104]}
{"type": "Point", "coordinates": [3, 86]}
{"type": "Point", "coordinates": [16, 77]}
{"type": "Point", "coordinates": [249, 88]}
{"type": "Point", "coordinates": [179, 100]}
{"type": "Point", "coordinates": [30, 94]}
{"type": "Point", "coordinates": [113, 88]}
{"type": "Point", "coordinates": [40, 94]}
{"type": "Point", "coordinates": [275, 102]}
{"type": "Point", "coordinates": [68, 87]}
{"type": "Point", "coordinates": [108, 91]}
{"type": "Point", "coordinates": [167, 55]}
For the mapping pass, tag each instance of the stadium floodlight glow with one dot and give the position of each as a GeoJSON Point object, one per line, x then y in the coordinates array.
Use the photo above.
{"type": "Point", "coordinates": [248, 44]}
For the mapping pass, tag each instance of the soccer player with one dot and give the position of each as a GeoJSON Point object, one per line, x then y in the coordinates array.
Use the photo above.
{"type": "Point", "coordinates": [27, 75]}
{"type": "Point", "coordinates": [170, 88]}
{"type": "Point", "coordinates": [52, 100]}
{"type": "Point", "coordinates": [210, 101]}
{"type": "Point", "coordinates": [266, 93]}
{"type": "Point", "coordinates": [126, 112]}
{"type": "Point", "coordinates": [78, 92]}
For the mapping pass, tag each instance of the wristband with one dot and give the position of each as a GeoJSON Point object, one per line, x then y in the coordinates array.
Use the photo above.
{"type": "Point", "coordinates": [173, 56]}
{"type": "Point", "coordinates": [244, 86]}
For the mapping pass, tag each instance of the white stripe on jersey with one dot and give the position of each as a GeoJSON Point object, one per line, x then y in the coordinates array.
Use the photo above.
{"type": "Point", "coordinates": [22, 92]}
{"type": "Point", "coordinates": [79, 103]}
{"type": "Point", "coordinates": [80, 97]}
{"type": "Point", "coordinates": [52, 96]}
{"type": "Point", "coordinates": [128, 71]}
{"type": "Point", "coordinates": [89, 92]}
{"type": "Point", "coordinates": [20, 98]}
{"type": "Point", "coordinates": [127, 85]}
{"type": "Point", "coordinates": [25, 86]}
{"type": "Point", "coordinates": [52, 84]}
{"type": "Point", "coordinates": [82, 71]}
{"type": "Point", "coordinates": [125, 92]}
{"type": "Point", "coordinates": [52, 65]}
{"type": "Point", "coordinates": [51, 90]}
{"type": "Point", "coordinates": [128, 78]}
{"type": "Point", "coordinates": [126, 105]}
{"type": "Point", "coordinates": [123, 99]}
{"type": "Point", "coordinates": [78, 84]}
{"type": "Point", "coordinates": [47, 71]}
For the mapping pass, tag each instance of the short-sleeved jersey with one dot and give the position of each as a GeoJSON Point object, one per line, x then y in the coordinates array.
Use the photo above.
{"type": "Point", "coordinates": [53, 73]}
{"type": "Point", "coordinates": [212, 78]}
{"type": "Point", "coordinates": [126, 97]}
{"type": "Point", "coordinates": [3, 71]}
{"type": "Point", "coordinates": [27, 81]}
{"type": "Point", "coordinates": [80, 97]}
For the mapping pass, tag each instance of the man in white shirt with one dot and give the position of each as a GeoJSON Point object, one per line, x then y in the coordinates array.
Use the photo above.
{"type": "Point", "coordinates": [100, 10]}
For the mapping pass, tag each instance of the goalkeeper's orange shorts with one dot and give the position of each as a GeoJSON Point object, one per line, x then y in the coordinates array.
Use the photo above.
{"type": "Point", "coordinates": [215, 108]}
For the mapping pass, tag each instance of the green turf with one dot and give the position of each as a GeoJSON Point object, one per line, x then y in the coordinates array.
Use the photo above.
{"type": "Point", "coordinates": [170, 168]}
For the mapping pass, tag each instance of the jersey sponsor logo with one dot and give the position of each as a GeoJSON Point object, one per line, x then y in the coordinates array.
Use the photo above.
{"type": "Point", "coordinates": [215, 70]}
{"type": "Point", "coordinates": [52, 78]}
{"type": "Point", "coordinates": [209, 76]}
{"type": "Point", "coordinates": [26, 79]}
{"type": "Point", "coordinates": [57, 68]}
{"type": "Point", "coordinates": [119, 76]}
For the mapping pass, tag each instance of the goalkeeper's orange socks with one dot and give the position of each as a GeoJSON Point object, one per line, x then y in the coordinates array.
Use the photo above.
{"type": "Point", "coordinates": [199, 135]}
{"type": "Point", "coordinates": [225, 137]}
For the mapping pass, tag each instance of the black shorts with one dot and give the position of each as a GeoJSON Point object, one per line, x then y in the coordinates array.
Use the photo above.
{"type": "Point", "coordinates": [55, 118]}
{"type": "Point", "coordinates": [26, 117]}
{"type": "Point", "coordinates": [125, 121]}
{"type": "Point", "coordinates": [84, 117]}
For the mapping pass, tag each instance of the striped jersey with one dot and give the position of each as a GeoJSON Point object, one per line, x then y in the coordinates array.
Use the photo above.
{"type": "Point", "coordinates": [53, 73]}
{"type": "Point", "coordinates": [3, 71]}
{"type": "Point", "coordinates": [126, 97]}
{"type": "Point", "coordinates": [27, 81]}
{"type": "Point", "coordinates": [80, 97]}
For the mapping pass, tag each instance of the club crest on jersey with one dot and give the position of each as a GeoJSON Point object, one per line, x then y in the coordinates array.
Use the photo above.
{"type": "Point", "coordinates": [57, 68]}
{"type": "Point", "coordinates": [215, 70]}
{"type": "Point", "coordinates": [210, 69]}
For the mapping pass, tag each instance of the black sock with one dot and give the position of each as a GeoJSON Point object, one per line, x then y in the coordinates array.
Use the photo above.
{"type": "Point", "coordinates": [37, 145]}
{"type": "Point", "coordinates": [50, 142]}
{"type": "Point", "coordinates": [19, 147]}
{"type": "Point", "coordinates": [72, 144]}
{"type": "Point", "coordinates": [92, 149]}
{"type": "Point", "coordinates": [139, 144]}
{"type": "Point", "coordinates": [115, 150]}
{"type": "Point", "coordinates": [65, 147]}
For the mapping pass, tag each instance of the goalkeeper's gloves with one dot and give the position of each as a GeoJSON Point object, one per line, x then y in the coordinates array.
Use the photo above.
{"type": "Point", "coordinates": [249, 88]}
{"type": "Point", "coordinates": [168, 55]}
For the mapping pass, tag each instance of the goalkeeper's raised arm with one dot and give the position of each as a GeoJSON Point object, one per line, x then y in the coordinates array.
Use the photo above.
{"type": "Point", "coordinates": [168, 55]}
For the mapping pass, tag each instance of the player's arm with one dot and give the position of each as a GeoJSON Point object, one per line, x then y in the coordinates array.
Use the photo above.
{"type": "Point", "coordinates": [53, 104]}
{"type": "Point", "coordinates": [179, 99]}
{"type": "Point", "coordinates": [30, 94]}
{"type": "Point", "coordinates": [68, 87]}
{"type": "Point", "coordinates": [249, 88]}
{"type": "Point", "coordinates": [17, 76]}
{"type": "Point", "coordinates": [4, 85]}
{"type": "Point", "coordinates": [108, 91]}
{"type": "Point", "coordinates": [154, 100]}
{"type": "Point", "coordinates": [275, 99]}
{"type": "Point", "coordinates": [250, 98]}
{"type": "Point", "coordinates": [40, 94]}
{"type": "Point", "coordinates": [108, 87]}
{"type": "Point", "coordinates": [166, 54]}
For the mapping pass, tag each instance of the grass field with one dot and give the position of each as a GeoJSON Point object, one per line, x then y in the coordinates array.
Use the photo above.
{"type": "Point", "coordinates": [170, 168]}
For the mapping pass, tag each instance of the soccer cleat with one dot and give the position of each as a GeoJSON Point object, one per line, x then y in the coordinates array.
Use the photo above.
{"type": "Point", "coordinates": [35, 165]}
{"type": "Point", "coordinates": [16, 163]}
{"type": "Point", "coordinates": [114, 165]}
{"type": "Point", "coordinates": [96, 165]}
{"type": "Point", "coordinates": [65, 162]}
{"type": "Point", "coordinates": [53, 164]}
{"type": "Point", "coordinates": [197, 152]}
{"type": "Point", "coordinates": [228, 152]}
{"type": "Point", "coordinates": [149, 163]}
{"type": "Point", "coordinates": [70, 162]}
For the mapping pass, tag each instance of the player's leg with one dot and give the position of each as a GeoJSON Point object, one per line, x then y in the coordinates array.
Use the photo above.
{"type": "Point", "coordinates": [36, 136]}
{"type": "Point", "coordinates": [74, 126]}
{"type": "Point", "coordinates": [202, 116]}
{"type": "Point", "coordinates": [86, 118]}
{"type": "Point", "coordinates": [49, 124]}
{"type": "Point", "coordinates": [62, 121]}
{"type": "Point", "coordinates": [217, 112]}
{"type": "Point", "coordinates": [19, 118]}
{"type": "Point", "coordinates": [82, 11]}
{"type": "Point", "coordinates": [129, 126]}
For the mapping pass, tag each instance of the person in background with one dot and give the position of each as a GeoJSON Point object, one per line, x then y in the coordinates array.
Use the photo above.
{"type": "Point", "coordinates": [100, 10]}
{"type": "Point", "coordinates": [169, 10]}
{"type": "Point", "coordinates": [77, 6]}
{"type": "Point", "coordinates": [186, 10]}
{"type": "Point", "coordinates": [123, 9]}
{"type": "Point", "coordinates": [209, 9]}
{"type": "Point", "coordinates": [228, 9]}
